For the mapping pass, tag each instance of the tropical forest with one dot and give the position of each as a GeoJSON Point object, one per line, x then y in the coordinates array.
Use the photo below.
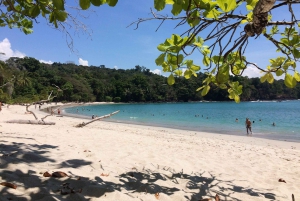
{"type": "Point", "coordinates": [24, 80]}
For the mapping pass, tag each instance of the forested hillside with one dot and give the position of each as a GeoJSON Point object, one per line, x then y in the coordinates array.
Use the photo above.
{"type": "Point", "coordinates": [26, 79]}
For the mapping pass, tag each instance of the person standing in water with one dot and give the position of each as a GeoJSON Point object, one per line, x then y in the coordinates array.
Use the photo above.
{"type": "Point", "coordinates": [248, 126]}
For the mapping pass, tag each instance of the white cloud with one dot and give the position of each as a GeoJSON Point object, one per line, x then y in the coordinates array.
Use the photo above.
{"type": "Point", "coordinates": [46, 62]}
{"type": "Point", "coordinates": [156, 71]}
{"type": "Point", "coordinates": [116, 67]}
{"type": "Point", "coordinates": [252, 72]}
{"type": "Point", "coordinates": [83, 62]}
{"type": "Point", "coordinates": [5, 48]}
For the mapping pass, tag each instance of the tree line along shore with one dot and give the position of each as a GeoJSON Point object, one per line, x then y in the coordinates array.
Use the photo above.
{"type": "Point", "coordinates": [26, 80]}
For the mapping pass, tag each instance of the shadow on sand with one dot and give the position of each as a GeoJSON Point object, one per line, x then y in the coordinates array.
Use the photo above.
{"type": "Point", "coordinates": [33, 186]}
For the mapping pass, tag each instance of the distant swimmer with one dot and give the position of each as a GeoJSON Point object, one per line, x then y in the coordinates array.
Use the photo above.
{"type": "Point", "coordinates": [248, 126]}
{"type": "Point", "coordinates": [273, 124]}
{"type": "Point", "coordinates": [236, 120]}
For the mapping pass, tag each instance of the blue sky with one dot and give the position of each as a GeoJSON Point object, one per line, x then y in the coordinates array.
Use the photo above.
{"type": "Point", "coordinates": [108, 42]}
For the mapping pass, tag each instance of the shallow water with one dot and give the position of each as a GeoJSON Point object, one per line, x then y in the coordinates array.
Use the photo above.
{"type": "Point", "coordinates": [216, 117]}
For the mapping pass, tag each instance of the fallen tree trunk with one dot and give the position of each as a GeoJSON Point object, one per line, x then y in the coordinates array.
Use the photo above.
{"type": "Point", "coordinates": [39, 122]}
{"type": "Point", "coordinates": [96, 119]}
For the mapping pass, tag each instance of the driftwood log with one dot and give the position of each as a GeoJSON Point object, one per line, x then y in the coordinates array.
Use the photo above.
{"type": "Point", "coordinates": [96, 119]}
{"type": "Point", "coordinates": [39, 122]}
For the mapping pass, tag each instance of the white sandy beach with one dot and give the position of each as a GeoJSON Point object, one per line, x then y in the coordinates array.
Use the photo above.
{"type": "Point", "coordinates": [113, 161]}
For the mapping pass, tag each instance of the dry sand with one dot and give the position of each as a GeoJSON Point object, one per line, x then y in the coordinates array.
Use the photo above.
{"type": "Point", "coordinates": [113, 161]}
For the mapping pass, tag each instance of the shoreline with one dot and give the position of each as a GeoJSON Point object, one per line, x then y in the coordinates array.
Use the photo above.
{"type": "Point", "coordinates": [212, 131]}
{"type": "Point", "coordinates": [109, 161]}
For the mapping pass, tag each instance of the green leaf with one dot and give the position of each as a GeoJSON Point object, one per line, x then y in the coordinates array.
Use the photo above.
{"type": "Point", "coordinates": [160, 59]}
{"type": "Point", "coordinates": [227, 5]}
{"type": "Point", "coordinates": [213, 14]}
{"type": "Point", "coordinates": [188, 63]}
{"type": "Point", "coordinates": [274, 30]}
{"type": "Point", "coordinates": [234, 91]}
{"type": "Point", "coordinates": [60, 15]}
{"type": "Point", "coordinates": [223, 74]}
{"type": "Point", "coordinates": [98, 2]}
{"type": "Point", "coordinates": [84, 4]}
{"type": "Point", "coordinates": [163, 46]}
{"type": "Point", "coordinates": [237, 98]}
{"type": "Point", "coordinates": [249, 7]}
{"type": "Point", "coordinates": [252, 2]}
{"type": "Point", "coordinates": [297, 76]}
{"type": "Point", "coordinates": [34, 11]}
{"type": "Point", "coordinates": [277, 62]}
{"type": "Point", "coordinates": [195, 68]}
{"type": "Point", "coordinates": [285, 41]}
{"type": "Point", "coordinates": [44, 10]}
{"type": "Point", "coordinates": [296, 53]}
{"type": "Point", "coordinates": [159, 4]}
{"type": "Point", "coordinates": [180, 58]}
{"type": "Point", "coordinates": [270, 78]}
{"type": "Point", "coordinates": [172, 59]}
{"type": "Point", "coordinates": [279, 72]}
{"type": "Point", "coordinates": [27, 30]}
{"type": "Point", "coordinates": [176, 10]}
{"type": "Point", "coordinates": [112, 3]}
{"type": "Point", "coordinates": [178, 72]}
{"type": "Point", "coordinates": [205, 90]}
{"type": "Point", "coordinates": [264, 78]}
{"type": "Point", "coordinates": [194, 18]}
{"type": "Point", "coordinates": [290, 81]}
{"type": "Point", "coordinates": [187, 74]}
{"type": "Point", "coordinates": [223, 86]}
{"type": "Point", "coordinates": [169, 1]}
{"type": "Point", "coordinates": [59, 4]}
{"type": "Point", "coordinates": [171, 80]}
{"type": "Point", "coordinates": [295, 40]}
{"type": "Point", "coordinates": [206, 60]}
{"type": "Point", "coordinates": [200, 88]}
{"type": "Point", "coordinates": [289, 63]}
{"type": "Point", "coordinates": [166, 67]}
{"type": "Point", "coordinates": [244, 21]}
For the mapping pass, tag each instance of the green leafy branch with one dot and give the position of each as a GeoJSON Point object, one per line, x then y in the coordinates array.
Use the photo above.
{"type": "Point", "coordinates": [223, 49]}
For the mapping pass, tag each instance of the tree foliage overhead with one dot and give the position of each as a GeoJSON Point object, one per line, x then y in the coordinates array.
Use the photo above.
{"type": "Point", "coordinates": [22, 13]}
{"type": "Point", "coordinates": [219, 30]}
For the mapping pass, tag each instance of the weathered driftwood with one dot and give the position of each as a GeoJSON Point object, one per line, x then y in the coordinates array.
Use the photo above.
{"type": "Point", "coordinates": [96, 119]}
{"type": "Point", "coordinates": [39, 102]}
{"type": "Point", "coordinates": [31, 122]}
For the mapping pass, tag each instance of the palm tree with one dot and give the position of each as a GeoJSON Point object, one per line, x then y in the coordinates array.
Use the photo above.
{"type": "Point", "coordinates": [23, 79]}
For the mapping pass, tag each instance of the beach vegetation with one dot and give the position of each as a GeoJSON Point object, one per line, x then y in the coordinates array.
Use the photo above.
{"type": "Point", "coordinates": [219, 32]}
{"type": "Point", "coordinates": [137, 84]}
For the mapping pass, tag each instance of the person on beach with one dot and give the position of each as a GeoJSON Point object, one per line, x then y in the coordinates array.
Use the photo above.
{"type": "Point", "coordinates": [93, 116]}
{"type": "Point", "coordinates": [58, 111]}
{"type": "Point", "coordinates": [248, 126]}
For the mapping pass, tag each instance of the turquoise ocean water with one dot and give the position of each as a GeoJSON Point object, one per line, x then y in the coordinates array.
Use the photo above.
{"type": "Point", "coordinates": [216, 117]}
